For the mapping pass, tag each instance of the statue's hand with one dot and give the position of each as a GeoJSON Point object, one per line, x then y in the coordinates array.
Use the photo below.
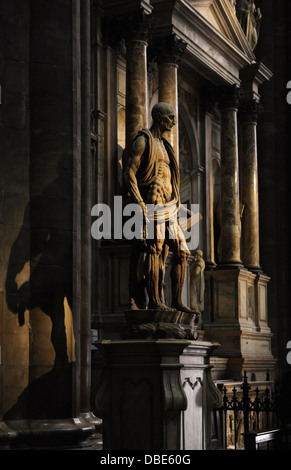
{"type": "Point", "coordinates": [144, 211]}
{"type": "Point", "coordinates": [145, 220]}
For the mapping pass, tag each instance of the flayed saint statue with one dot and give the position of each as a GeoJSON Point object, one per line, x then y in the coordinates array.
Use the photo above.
{"type": "Point", "coordinates": [151, 180]}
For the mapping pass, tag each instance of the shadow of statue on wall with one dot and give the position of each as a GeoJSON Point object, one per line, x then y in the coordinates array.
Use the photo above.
{"type": "Point", "coordinates": [39, 275]}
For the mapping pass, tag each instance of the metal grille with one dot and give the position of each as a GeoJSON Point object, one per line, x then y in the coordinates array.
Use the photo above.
{"type": "Point", "coordinates": [246, 413]}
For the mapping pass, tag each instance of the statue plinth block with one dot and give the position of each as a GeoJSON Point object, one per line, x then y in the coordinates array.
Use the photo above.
{"type": "Point", "coordinates": [140, 396]}
{"type": "Point", "coordinates": [155, 324]}
{"type": "Point", "coordinates": [236, 317]}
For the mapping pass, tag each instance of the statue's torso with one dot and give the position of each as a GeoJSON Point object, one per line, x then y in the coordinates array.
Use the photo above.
{"type": "Point", "coordinates": [160, 190]}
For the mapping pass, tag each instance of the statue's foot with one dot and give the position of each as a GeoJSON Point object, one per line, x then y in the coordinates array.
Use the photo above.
{"type": "Point", "coordinates": [182, 308]}
{"type": "Point", "coordinates": [159, 306]}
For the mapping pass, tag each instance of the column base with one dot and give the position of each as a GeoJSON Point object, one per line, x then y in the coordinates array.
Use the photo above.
{"type": "Point", "coordinates": [254, 269]}
{"type": "Point", "coordinates": [209, 266]}
{"type": "Point", "coordinates": [231, 265]}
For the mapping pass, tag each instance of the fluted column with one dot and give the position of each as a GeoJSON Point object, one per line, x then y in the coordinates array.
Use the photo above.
{"type": "Point", "coordinates": [249, 185]}
{"type": "Point", "coordinates": [230, 203]}
{"type": "Point", "coordinates": [137, 28]}
{"type": "Point", "coordinates": [170, 51]}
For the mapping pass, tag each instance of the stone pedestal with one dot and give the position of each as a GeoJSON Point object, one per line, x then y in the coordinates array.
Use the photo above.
{"type": "Point", "coordinates": [202, 396]}
{"type": "Point", "coordinates": [236, 317]}
{"type": "Point", "coordinates": [140, 398]}
{"type": "Point", "coordinates": [156, 394]}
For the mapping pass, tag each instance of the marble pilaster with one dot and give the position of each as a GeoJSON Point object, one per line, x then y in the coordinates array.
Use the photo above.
{"type": "Point", "coordinates": [170, 51]}
{"type": "Point", "coordinates": [230, 203]}
{"type": "Point", "coordinates": [249, 183]}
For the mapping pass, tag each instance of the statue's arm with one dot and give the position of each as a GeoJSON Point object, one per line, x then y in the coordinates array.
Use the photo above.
{"type": "Point", "coordinates": [134, 161]}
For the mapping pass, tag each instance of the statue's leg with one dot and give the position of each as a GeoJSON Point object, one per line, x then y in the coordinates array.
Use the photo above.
{"type": "Point", "coordinates": [136, 288]}
{"type": "Point", "coordinates": [179, 270]}
{"type": "Point", "coordinates": [178, 274]}
{"type": "Point", "coordinates": [151, 271]}
{"type": "Point", "coordinates": [163, 259]}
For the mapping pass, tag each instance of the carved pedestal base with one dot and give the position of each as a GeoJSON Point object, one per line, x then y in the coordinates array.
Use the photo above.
{"type": "Point", "coordinates": [140, 397]}
{"type": "Point", "coordinates": [156, 394]}
{"type": "Point", "coordinates": [164, 324]}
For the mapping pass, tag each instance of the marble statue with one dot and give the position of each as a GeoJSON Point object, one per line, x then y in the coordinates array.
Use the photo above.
{"type": "Point", "coordinates": [197, 285]}
{"type": "Point", "coordinates": [152, 180]}
{"type": "Point", "coordinates": [151, 177]}
{"type": "Point", "coordinates": [250, 19]}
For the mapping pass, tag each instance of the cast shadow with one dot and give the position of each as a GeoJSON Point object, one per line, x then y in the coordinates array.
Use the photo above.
{"type": "Point", "coordinates": [49, 396]}
{"type": "Point", "coordinates": [39, 275]}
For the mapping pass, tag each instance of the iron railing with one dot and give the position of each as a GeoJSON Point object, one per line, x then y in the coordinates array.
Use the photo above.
{"type": "Point", "coordinates": [246, 414]}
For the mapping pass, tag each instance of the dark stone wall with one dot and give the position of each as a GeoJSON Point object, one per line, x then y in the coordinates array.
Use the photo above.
{"type": "Point", "coordinates": [40, 206]}
{"type": "Point", "coordinates": [14, 181]}
{"type": "Point", "coordinates": [274, 170]}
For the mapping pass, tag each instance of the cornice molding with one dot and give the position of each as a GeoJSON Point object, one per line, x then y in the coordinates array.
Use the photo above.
{"type": "Point", "coordinates": [208, 49]}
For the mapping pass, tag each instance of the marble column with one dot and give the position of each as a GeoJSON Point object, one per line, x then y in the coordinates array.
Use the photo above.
{"type": "Point", "coordinates": [248, 114]}
{"type": "Point", "coordinates": [137, 28]}
{"type": "Point", "coordinates": [230, 203]}
{"type": "Point", "coordinates": [170, 51]}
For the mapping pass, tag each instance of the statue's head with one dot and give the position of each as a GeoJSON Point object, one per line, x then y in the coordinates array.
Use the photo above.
{"type": "Point", "coordinates": [164, 116]}
{"type": "Point", "coordinates": [198, 254]}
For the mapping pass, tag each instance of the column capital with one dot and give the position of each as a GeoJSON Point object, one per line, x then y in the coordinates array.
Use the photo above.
{"type": "Point", "coordinates": [228, 96]}
{"type": "Point", "coordinates": [210, 101]}
{"type": "Point", "coordinates": [168, 49]}
{"type": "Point", "coordinates": [135, 25]}
{"type": "Point", "coordinates": [249, 111]}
